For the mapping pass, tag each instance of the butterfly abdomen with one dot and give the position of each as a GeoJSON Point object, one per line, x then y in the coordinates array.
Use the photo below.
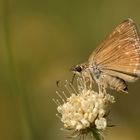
{"type": "Point", "coordinates": [116, 83]}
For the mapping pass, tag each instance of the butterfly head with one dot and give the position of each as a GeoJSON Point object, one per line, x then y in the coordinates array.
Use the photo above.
{"type": "Point", "coordinates": [77, 69]}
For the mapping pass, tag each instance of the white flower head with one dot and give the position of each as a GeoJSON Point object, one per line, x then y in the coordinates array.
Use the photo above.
{"type": "Point", "coordinates": [84, 110]}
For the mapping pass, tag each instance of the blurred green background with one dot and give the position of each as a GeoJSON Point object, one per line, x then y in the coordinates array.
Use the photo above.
{"type": "Point", "coordinates": [39, 41]}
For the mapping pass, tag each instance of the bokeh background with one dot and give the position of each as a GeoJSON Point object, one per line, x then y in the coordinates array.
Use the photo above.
{"type": "Point", "coordinates": [39, 41]}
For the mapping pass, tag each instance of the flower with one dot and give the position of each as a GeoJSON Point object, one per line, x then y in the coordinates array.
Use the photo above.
{"type": "Point", "coordinates": [85, 110]}
{"type": "Point", "coordinates": [101, 123]}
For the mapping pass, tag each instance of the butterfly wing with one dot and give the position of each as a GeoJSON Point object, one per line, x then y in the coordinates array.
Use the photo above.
{"type": "Point", "coordinates": [119, 53]}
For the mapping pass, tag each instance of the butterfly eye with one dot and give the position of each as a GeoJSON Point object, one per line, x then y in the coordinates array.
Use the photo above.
{"type": "Point", "coordinates": [78, 69]}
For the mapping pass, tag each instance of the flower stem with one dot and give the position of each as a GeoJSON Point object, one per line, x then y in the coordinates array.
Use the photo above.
{"type": "Point", "coordinates": [96, 134]}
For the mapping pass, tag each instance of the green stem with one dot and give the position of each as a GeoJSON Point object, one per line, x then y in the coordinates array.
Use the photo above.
{"type": "Point", "coordinates": [96, 135]}
{"type": "Point", "coordinates": [18, 95]}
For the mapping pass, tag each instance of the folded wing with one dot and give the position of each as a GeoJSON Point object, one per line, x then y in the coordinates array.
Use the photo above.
{"type": "Point", "coordinates": [119, 53]}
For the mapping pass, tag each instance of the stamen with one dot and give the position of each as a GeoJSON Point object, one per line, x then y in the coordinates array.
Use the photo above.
{"type": "Point", "coordinates": [63, 129]}
{"type": "Point", "coordinates": [58, 116]}
{"type": "Point", "coordinates": [58, 102]}
{"type": "Point", "coordinates": [68, 89]}
{"type": "Point", "coordinates": [60, 96]}
{"type": "Point", "coordinates": [64, 94]}
{"type": "Point", "coordinates": [55, 102]}
{"type": "Point", "coordinates": [73, 88]}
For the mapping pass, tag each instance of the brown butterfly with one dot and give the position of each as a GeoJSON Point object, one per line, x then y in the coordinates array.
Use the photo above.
{"type": "Point", "coordinates": [116, 60]}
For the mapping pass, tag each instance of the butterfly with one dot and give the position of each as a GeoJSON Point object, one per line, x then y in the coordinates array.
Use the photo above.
{"type": "Point", "coordinates": [116, 60]}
